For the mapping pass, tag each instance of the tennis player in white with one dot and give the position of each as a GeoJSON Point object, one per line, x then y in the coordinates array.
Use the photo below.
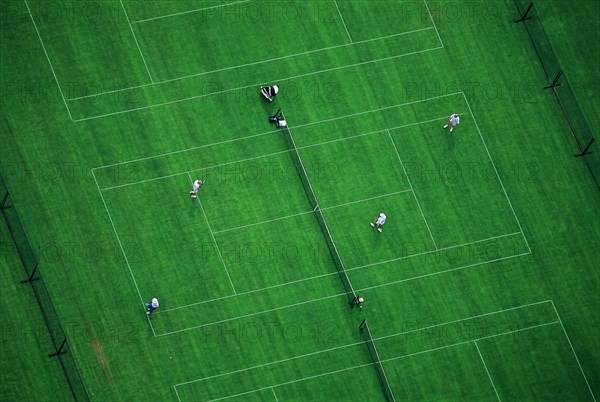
{"type": "Point", "coordinates": [379, 223]}
{"type": "Point", "coordinates": [152, 305]}
{"type": "Point", "coordinates": [453, 120]}
{"type": "Point", "coordinates": [195, 188]}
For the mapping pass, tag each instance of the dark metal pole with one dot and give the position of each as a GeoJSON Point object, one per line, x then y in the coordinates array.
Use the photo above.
{"type": "Point", "coordinates": [525, 16]}
{"type": "Point", "coordinates": [60, 350]}
{"type": "Point", "coordinates": [2, 206]}
{"type": "Point", "coordinates": [585, 151]}
{"type": "Point", "coordinates": [554, 84]}
{"type": "Point", "coordinates": [31, 278]}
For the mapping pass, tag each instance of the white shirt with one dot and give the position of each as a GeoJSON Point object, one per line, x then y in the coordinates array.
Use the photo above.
{"type": "Point", "coordinates": [455, 119]}
{"type": "Point", "coordinates": [381, 219]}
{"type": "Point", "coordinates": [155, 303]}
{"type": "Point", "coordinates": [197, 185]}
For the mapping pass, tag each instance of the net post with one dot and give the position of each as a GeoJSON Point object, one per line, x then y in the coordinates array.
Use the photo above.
{"type": "Point", "coordinates": [60, 350]}
{"type": "Point", "coordinates": [361, 326]}
{"type": "Point", "coordinates": [555, 83]}
{"type": "Point", "coordinates": [585, 151]}
{"type": "Point", "coordinates": [526, 15]}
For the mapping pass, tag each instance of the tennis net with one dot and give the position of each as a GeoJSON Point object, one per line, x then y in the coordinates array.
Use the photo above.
{"type": "Point", "coordinates": [383, 381]}
{"type": "Point", "coordinates": [308, 189]}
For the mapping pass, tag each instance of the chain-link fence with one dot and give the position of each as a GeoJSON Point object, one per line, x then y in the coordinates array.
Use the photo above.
{"type": "Point", "coordinates": [558, 85]}
{"type": "Point", "coordinates": [61, 348]}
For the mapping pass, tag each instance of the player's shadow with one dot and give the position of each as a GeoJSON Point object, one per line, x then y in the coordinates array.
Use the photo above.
{"type": "Point", "coordinates": [451, 141]}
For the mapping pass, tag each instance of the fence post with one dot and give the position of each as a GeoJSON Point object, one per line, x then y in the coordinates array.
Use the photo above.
{"type": "Point", "coordinates": [60, 350]}
{"type": "Point", "coordinates": [555, 82]}
{"type": "Point", "coordinates": [2, 204]}
{"type": "Point", "coordinates": [525, 16]}
{"type": "Point", "coordinates": [585, 151]}
{"type": "Point", "coordinates": [31, 278]}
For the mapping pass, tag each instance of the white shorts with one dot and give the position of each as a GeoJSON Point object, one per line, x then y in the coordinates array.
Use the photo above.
{"type": "Point", "coordinates": [380, 221]}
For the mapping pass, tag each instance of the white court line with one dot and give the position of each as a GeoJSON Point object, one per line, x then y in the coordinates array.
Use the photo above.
{"type": "Point", "coordinates": [332, 296]}
{"type": "Point", "coordinates": [378, 110]}
{"type": "Point", "coordinates": [432, 22]}
{"type": "Point", "coordinates": [342, 19]}
{"type": "Point", "coordinates": [473, 340]}
{"type": "Point", "coordinates": [162, 311]}
{"type": "Point", "coordinates": [215, 166]}
{"type": "Point", "coordinates": [386, 360]}
{"type": "Point", "coordinates": [496, 170]}
{"type": "Point", "coordinates": [441, 272]}
{"type": "Point", "coordinates": [188, 12]}
{"type": "Point", "coordinates": [413, 189]}
{"type": "Point", "coordinates": [487, 371]}
{"type": "Point", "coordinates": [310, 212]}
{"type": "Point", "coordinates": [254, 85]}
{"type": "Point", "coordinates": [204, 168]}
{"type": "Point", "coordinates": [295, 127]}
{"type": "Point", "coordinates": [264, 222]}
{"type": "Point", "coordinates": [267, 61]}
{"type": "Point", "coordinates": [573, 350]}
{"type": "Point", "coordinates": [274, 394]}
{"type": "Point", "coordinates": [379, 263]}
{"type": "Point", "coordinates": [136, 42]}
{"type": "Point", "coordinates": [362, 342]}
{"type": "Point", "coordinates": [212, 144]}
{"type": "Point", "coordinates": [49, 62]}
{"type": "Point", "coordinates": [208, 324]}
{"type": "Point", "coordinates": [213, 238]}
{"type": "Point", "coordinates": [177, 393]}
{"type": "Point", "coordinates": [123, 252]}
{"type": "Point", "coordinates": [350, 137]}
{"type": "Point", "coordinates": [434, 251]}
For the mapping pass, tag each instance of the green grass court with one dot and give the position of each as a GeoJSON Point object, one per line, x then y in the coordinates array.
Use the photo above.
{"type": "Point", "coordinates": [482, 286]}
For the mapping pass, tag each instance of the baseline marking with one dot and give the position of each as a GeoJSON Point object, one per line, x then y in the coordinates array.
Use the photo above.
{"type": "Point", "coordinates": [573, 350]}
{"type": "Point", "coordinates": [267, 61]}
{"type": "Point", "coordinates": [123, 252]}
{"type": "Point", "coordinates": [412, 189]}
{"type": "Point", "coordinates": [136, 41]}
{"type": "Point", "coordinates": [188, 12]}
{"type": "Point", "coordinates": [214, 240]}
{"type": "Point", "coordinates": [342, 19]}
{"type": "Point", "coordinates": [496, 171]}
{"type": "Point", "coordinates": [487, 371]}
{"type": "Point", "coordinates": [49, 62]}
